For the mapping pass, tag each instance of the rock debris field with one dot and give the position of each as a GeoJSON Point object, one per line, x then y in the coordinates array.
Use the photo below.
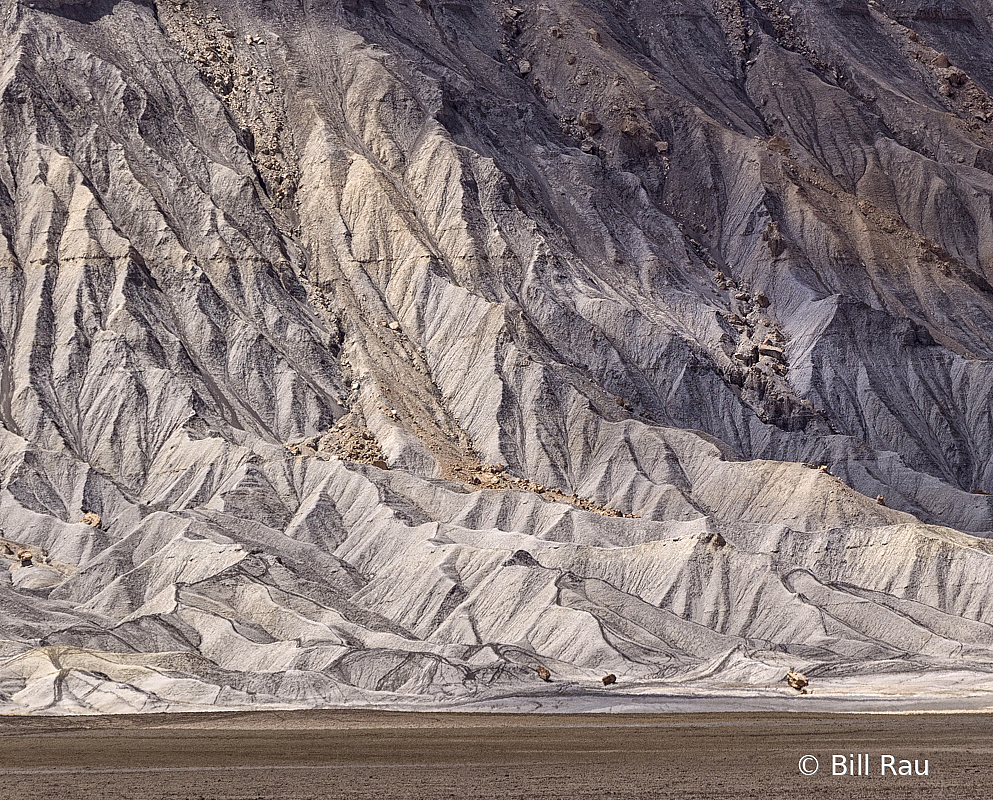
{"type": "Point", "coordinates": [425, 354]}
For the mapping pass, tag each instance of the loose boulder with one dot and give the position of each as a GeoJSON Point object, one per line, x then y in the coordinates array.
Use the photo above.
{"type": "Point", "coordinates": [92, 519]}
{"type": "Point", "coordinates": [543, 673]}
{"type": "Point", "coordinates": [609, 679]}
{"type": "Point", "coordinates": [778, 145]}
{"type": "Point", "coordinates": [797, 680]}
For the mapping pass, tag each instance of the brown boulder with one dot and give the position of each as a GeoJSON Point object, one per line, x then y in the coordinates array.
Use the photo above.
{"type": "Point", "coordinates": [778, 145]}
{"type": "Point", "coordinates": [797, 680]}
{"type": "Point", "coordinates": [609, 679]}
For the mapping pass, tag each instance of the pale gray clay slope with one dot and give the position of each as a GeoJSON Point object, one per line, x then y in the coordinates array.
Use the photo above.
{"type": "Point", "coordinates": [402, 351]}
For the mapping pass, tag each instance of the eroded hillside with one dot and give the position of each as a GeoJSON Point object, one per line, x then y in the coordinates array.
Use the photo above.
{"type": "Point", "coordinates": [403, 348]}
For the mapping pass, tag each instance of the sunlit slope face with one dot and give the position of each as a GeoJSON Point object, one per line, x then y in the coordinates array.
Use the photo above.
{"type": "Point", "coordinates": [402, 349]}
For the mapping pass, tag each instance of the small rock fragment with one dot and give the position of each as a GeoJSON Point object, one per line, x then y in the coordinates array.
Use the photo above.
{"type": "Point", "coordinates": [511, 15]}
{"type": "Point", "coordinates": [609, 679]}
{"type": "Point", "coordinates": [957, 78]}
{"type": "Point", "coordinates": [773, 237]}
{"type": "Point", "coordinates": [587, 119]}
{"type": "Point", "coordinates": [630, 126]}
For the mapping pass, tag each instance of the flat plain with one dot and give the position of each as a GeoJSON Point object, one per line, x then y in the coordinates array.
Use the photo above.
{"type": "Point", "coordinates": [368, 754]}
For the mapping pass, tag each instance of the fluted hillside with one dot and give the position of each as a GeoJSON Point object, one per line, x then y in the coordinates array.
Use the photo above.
{"type": "Point", "coordinates": [398, 352]}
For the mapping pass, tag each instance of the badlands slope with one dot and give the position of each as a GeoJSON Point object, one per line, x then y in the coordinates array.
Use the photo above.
{"type": "Point", "coordinates": [403, 347]}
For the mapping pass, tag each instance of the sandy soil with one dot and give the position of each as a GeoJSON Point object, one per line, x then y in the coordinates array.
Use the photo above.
{"type": "Point", "coordinates": [331, 754]}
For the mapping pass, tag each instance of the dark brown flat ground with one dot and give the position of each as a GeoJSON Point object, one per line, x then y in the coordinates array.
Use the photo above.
{"type": "Point", "coordinates": [357, 754]}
